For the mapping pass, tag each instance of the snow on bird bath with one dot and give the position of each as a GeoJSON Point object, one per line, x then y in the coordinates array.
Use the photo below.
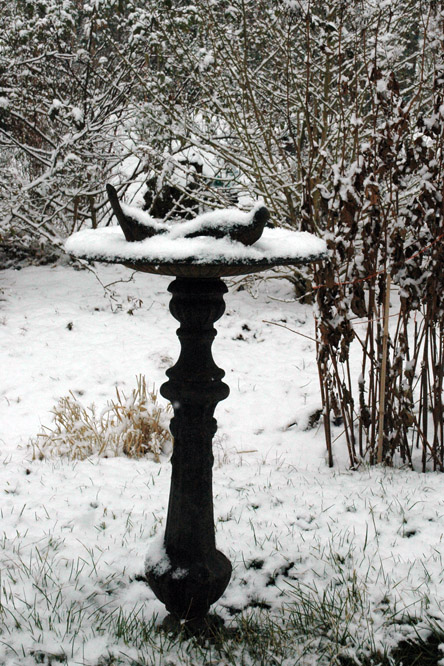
{"type": "Point", "coordinates": [214, 219]}
{"type": "Point", "coordinates": [276, 245]}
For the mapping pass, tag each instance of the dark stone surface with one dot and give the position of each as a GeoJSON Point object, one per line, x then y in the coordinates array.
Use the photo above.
{"type": "Point", "coordinates": [135, 231]}
{"type": "Point", "coordinates": [210, 628]}
{"type": "Point", "coordinates": [199, 573]}
{"type": "Point", "coordinates": [132, 229]}
{"type": "Point", "coordinates": [246, 234]}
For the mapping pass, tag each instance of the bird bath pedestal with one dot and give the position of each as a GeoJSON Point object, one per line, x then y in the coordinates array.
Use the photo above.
{"type": "Point", "coordinates": [194, 574]}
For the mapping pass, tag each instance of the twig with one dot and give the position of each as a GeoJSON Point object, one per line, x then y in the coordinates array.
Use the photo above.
{"type": "Point", "coordinates": [383, 371]}
{"type": "Point", "coordinates": [274, 323]}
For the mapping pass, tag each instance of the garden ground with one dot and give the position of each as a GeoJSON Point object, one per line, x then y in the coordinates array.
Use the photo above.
{"type": "Point", "coordinates": [329, 565]}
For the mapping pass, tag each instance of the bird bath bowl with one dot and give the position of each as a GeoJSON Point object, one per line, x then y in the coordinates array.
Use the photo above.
{"type": "Point", "coordinates": [192, 574]}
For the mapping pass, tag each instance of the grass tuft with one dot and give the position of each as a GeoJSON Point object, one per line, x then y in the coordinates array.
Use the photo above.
{"type": "Point", "coordinates": [135, 426]}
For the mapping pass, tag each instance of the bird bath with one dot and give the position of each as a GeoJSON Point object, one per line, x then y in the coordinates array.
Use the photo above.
{"type": "Point", "coordinates": [193, 574]}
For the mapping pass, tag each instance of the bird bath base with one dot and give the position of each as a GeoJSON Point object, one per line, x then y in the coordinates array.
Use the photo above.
{"type": "Point", "coordinates": [197, 573]}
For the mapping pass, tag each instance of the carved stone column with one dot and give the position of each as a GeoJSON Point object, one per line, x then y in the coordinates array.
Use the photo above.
{"type": "Point", "coordinates": [199, 573]}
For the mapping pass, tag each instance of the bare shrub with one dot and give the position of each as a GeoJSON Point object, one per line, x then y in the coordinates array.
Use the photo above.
{"type": "Point", "coordinates": [383, 210]}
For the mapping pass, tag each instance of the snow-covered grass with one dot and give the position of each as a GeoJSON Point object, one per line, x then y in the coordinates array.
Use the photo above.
{"type": "Point", "coordinates": [330, 566]}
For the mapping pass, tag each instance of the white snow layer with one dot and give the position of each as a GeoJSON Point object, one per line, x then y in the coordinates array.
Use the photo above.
{"type": "Point", "coordinates": [109, 244]}
{"type": "Point", "coordinates": [211, 219]}
{"type": "Point", "coordinates": [75, 534]}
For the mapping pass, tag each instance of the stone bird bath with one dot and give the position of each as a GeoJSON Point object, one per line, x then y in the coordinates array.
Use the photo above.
{"type": "Point", "coordinates": [193, 574]}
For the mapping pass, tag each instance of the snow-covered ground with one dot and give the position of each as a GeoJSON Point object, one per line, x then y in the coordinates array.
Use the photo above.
{"type": "Point", "coordinates": [74, 535]}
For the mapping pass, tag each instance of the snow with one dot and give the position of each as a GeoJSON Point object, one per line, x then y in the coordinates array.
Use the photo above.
{"type": "Point", "coordinates": [275, 245]}
{"type": "Point", "coordinates": [157, 559]}
{"type": "Point", "coordinates": [77, 114]}
{"type": "Point", "coordinates": [213, 220]}
{"type": "Point", "coordinates": [75, 534]}
{"type": "Point", "coordinates": [143, 217]}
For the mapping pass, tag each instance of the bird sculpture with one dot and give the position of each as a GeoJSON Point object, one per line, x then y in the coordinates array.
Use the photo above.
{"type": "Point", "coordinates": [137, 230]}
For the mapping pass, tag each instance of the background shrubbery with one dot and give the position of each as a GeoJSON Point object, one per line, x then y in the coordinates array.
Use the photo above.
{"type": "Point", "coordinates": [331, 111]}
